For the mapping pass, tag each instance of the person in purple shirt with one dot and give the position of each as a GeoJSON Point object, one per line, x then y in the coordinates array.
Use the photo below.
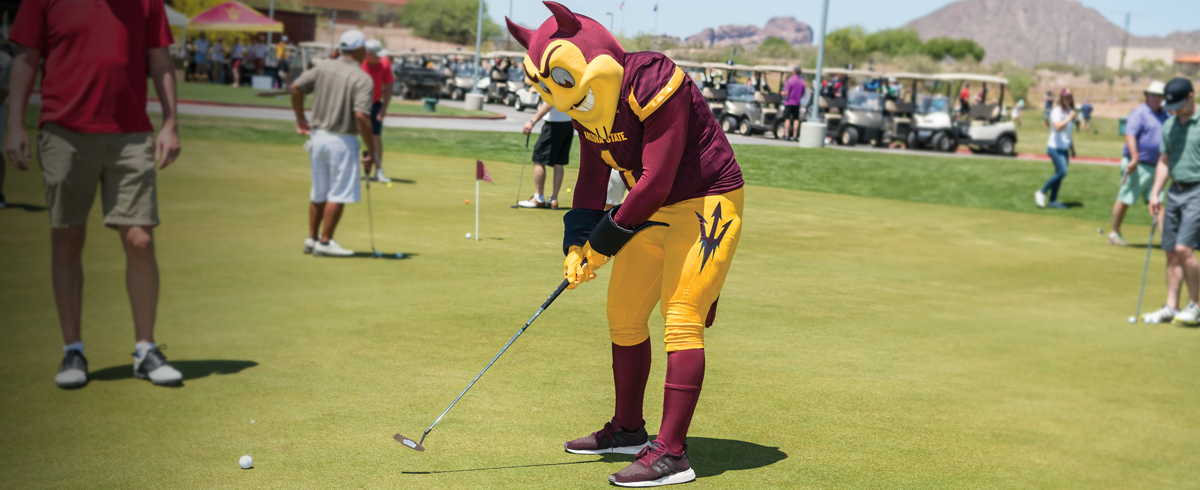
{"type": "Point", "coordinates": [1143, 135]}
{"type": "Point", "coordinates": [793, 89]}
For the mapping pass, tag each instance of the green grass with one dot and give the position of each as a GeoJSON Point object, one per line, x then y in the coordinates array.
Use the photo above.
{"type": "Point", "coordinates": [978, 183]}
{"type": "Point", "coordinates": [862, 342]}
{"type": "Point", "coordinates": [246, 96]}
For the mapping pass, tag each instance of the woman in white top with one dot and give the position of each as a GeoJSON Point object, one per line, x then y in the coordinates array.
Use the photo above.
{"type": "Point", "coordinates": [1060, 148]}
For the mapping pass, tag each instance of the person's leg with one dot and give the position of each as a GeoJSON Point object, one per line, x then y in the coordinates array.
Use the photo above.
{"type": "Point", "coordinates": [141, 278]}
{"type": "Point", "coordinates": [316, 213]}
{"type": "Point", "coordinates": [333, 214]}
{"type": "Point", "coordinates": [378, 139]}
{"type": "Point", "coordinates": [66, 278]}
{"type": "Point", "coordinates": [633, 290]}
{"type": "Point", "coordinates": [1060, 171]}
{"type": "Point", "coordinates": [1190, 268]}
{"type": "Point", "coordinates": [559, 171]}
{"type": "Point", "coordinates": [1126, 195]}
{"type": "Point", "coordinates": [1118, 215]}
{"type": "Point", "coordinates": [539, 179]}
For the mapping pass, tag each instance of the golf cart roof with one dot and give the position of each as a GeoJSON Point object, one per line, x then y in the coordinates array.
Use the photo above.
{"type": "Point", "coordinates": [722, 66]}
{"type": "Point", "coordinates": [688, 64]}
{"type": "Point", "coordinates": [971, 77]}
{"type": "Point", "coordinates": [910, 76]}
{"type": "Point", "coordinates": [781, 69]}
{"type": "Point", "coordinates": [505, 54]}
{"type": "Point", "coordinates": [851, 73]}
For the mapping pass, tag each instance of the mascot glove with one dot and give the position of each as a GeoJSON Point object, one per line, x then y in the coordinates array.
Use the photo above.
{"type": "Point", "coordinates": [581, 264]}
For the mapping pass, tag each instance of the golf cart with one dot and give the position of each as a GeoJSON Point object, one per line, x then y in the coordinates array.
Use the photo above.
{"type": "Point", "coordinates": [459, 70]}
{"type": "Point", "coordinates": [416, 78]}
{"type": "Point", "coordinates": [855, 115]}
{"type": "Point", "coordinates": [771, 118]}
{"type": "Point", "coordinates": [901, 103]}
{"type": "Point", "coordinates": [516, 82]}
{"type": "Point", "coordinates": [749, 107]}
{"type": "Point", "coordinates": [714, 89]}
{"type": "Point", "coordinates": [496, 86]}
{"type": "Point", "coordinates": [983, 130]}
{"type": "Point", "coordinates": [313, 52]}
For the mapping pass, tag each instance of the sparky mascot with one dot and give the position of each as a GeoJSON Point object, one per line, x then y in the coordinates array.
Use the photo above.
{"type": "Point", "coordinates": [672, 240]}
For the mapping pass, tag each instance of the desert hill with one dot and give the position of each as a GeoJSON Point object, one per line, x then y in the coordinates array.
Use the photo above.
{"type": "Point", "coordinates": [1031, 31]}
{"type": "Point", "coordinates": [787, 28]}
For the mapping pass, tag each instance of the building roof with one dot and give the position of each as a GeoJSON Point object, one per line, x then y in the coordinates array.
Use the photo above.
{"type": "Point", "coordinates": [1194, 58]}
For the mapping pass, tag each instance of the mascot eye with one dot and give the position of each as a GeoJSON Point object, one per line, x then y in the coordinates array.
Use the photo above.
{"type": "Point", "coordinates": [562, 77]}
{"type": "Point", "coordinates": [543, 86]}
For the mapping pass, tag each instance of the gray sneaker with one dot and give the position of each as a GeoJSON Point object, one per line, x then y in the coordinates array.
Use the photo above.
{"type": "Point", "coordinates": [1162, 315]}
{"type": "Point", "coordinates": [331, 249]}
{"type": "Point", "coordinates": [1115, 238]}
{"type": "Point", "coordinates": [1190, 315]}
{"type": "Point", "coordinates": [154, 367]}
{"type": "Point", "coordinates": [309, 243]}
{"type": "Point", "coordinates": [73, 372]}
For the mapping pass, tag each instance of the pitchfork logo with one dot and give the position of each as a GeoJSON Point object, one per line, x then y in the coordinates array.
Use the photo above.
{"type": "Point", "coordinates": [710, 242]}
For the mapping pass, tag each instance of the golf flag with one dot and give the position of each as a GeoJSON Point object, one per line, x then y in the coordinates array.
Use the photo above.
{"type": "Point", "coordinates": [481, 172]}
{"type": "Point", "coordinates": [656, 7]}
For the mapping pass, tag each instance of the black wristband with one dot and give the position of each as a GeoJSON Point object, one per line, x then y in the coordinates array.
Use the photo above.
{"type": "Point", "coordinates": [608, 238]}
{"type": "Point", "coordinates": [578, 225]}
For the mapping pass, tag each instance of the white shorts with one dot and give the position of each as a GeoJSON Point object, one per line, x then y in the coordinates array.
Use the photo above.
{"type": "Point", "coordinates": [616, 188]}
{"type": "Point", "coordinates": [335, 170]}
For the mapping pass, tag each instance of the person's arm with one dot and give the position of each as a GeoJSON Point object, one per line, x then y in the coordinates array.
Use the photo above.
{"type": "Point", "coordinates": [1161, 172]}
{"type": "Point", "coordinates": [363, 94]}
{"type": "Point", "coordinates": [662, 149]}
{"type": "Point", "coordinates": [301, 87]}
{"type": "Point", "coordinates": [541, 112]}
{"type": "Point", "coordinates": [24, 67]}
{"type": "Point", "coordinates": [162, 70]}
{"type": "Point", "coordinates": [1131, 142]}
{"type": "Point", "coordinates": [1067, 119]}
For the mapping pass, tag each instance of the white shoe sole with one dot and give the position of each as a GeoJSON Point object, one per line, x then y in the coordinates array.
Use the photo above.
{"type": "Point", "coordinates": [681, 477]}
{"type": "Point", "coordinates": [618, 450]}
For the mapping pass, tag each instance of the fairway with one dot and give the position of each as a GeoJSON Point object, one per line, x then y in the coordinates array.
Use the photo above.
{"type": "Point", "coordinates": [862, 342]}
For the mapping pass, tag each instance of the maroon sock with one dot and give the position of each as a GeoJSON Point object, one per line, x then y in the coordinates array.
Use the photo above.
{"type": "Point", "coordinates": [631, 368]}
{"type": "Point", "coordinates": [685, 376]}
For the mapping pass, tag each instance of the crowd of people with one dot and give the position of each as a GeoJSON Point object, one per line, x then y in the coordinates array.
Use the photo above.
{"type": "Point", "coordinates": [233, 63]}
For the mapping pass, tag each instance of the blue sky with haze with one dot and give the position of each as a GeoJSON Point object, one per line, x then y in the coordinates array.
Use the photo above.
{"type": "Point", "coordinates": [686, 17]}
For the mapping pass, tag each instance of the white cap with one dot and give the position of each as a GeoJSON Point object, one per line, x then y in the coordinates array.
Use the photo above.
{"type": "Point", "coordinates": [374, 46]}
{"type": "Point", "coordinates": [351, 40]}
{"type": "Point", "coordinates": [1156, 88]}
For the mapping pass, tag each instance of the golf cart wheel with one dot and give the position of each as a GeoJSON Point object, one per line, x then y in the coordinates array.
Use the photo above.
{"type": "Point", "coordinates": [1006, 146]}
{"type": "Point", "coordinates": [849, 137]}
{"type": "Point", "coordinates": [944, 143]}
{"type": "Point", "coordinates": [912, 142]}
{"type": "Point", "coordinates": [780, 131]}
{"type": "Point", "coordinates": [744, 128]}
{"type": "Point", "coordinates": [510, 99]}
{"type": "Point", "coordinates": [517, 105]}
{"type": "Point", "coordinates": [457, 94]}
{"type": "Point", "coordinates": [728, 124]}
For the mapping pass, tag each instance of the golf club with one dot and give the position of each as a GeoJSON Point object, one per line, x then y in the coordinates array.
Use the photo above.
{"type": "Point", "coordinates": [417, 445]}
{"type": "Point", "coordinates": [370, 215]}
{"type": "Point", "coordinates": [1149, 247]}
{"type": "Point", "coordinates": [524, 157]}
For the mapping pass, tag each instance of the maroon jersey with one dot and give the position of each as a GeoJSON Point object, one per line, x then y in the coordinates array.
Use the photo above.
{"type": "Point", "coordinates": [664, 141]}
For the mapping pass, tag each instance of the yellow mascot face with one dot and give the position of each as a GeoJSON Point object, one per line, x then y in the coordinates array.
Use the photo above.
{"type": "Point", "coordinates": [588, 92]}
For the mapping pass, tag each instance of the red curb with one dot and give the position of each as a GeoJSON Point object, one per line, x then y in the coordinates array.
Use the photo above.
{"type": "Point", "coordinates": [255, 106]}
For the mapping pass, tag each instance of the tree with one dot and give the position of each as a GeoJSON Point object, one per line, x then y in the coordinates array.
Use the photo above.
{"type": "Point", "coordinates": [894, 42]}
{"type": "Point", "coordinates": [847, 43]}
{"type": "Point", "coordinates": [964, 48]}
{"type": "Point", "coordinates": [447, 20]}
{"type": "Point", "coordinates": [774, 47]}
{"type": "Point", "coordinates": [939, 48]}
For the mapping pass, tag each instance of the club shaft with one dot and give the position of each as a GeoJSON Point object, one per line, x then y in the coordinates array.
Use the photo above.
{"type": "Point", "coordinates": [370, 216]}
{"type": "Point", "coordinates": [562, 286]}
{"type": "Point", "coordinates": [1146, 268]}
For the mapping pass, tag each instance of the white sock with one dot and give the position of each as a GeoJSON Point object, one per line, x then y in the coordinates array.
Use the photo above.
{"type": "Point", "coordinates": [70, 347]}
{"type": "Point", "coordinates": [142, 347]}
{"type": "Point", "coordinates": [539, 197]}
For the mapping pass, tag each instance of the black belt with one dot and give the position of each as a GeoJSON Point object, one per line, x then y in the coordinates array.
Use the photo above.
{"type": "Point", "coordinates": [1185, 185]}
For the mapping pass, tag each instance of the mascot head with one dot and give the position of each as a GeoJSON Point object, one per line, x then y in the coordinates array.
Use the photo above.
{"type": "Point", "coordinates": [575, 63]}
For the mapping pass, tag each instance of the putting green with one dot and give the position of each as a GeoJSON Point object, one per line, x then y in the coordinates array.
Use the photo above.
{"type": "Point", "coordinates": [861, 342]}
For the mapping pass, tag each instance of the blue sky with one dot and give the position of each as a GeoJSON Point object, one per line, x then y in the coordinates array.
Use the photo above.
{"type": "Point", "coordinates": [686, 17]}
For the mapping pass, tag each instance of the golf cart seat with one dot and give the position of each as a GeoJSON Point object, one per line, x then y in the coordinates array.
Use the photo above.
{"type": "Point", "coordinates": [830, 105]}
{"type": "Point", "coordinates": [895, 107]}
{"type": "Point", "coordinates": [764, 99]}
{"type": "Point", "coordinates": [715, 97]}
{"type": "Point", "coordinates": [985, 112]}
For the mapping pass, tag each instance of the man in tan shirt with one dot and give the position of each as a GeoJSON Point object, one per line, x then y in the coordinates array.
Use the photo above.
{"type": "Point", "coordinates": [341, 112]}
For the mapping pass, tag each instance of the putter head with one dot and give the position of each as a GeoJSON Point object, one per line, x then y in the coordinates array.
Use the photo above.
{"type": "Point", "coordinates": [409, 442]}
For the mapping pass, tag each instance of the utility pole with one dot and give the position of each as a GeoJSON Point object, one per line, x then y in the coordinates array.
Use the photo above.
{"type": "Point", "coordinates": [814, 124]}
{"type": "Point", "coordinates": [610, 21]}
{"type": "Point", "coordinates": [271, 14]}
{"type": "Point", "coordinates": [508, 38]}
{"type": "Point", "coordinates": [478, 45]}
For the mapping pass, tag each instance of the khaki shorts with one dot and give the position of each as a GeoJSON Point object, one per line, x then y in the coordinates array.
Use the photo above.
{"type": "Point", "coordinates": [121, 163]}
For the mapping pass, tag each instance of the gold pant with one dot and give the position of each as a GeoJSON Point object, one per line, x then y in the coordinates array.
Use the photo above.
{"type": "Point", "coordinates": [682, 266]}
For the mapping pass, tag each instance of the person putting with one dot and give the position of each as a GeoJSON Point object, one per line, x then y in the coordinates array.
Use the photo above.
{"type": "Point", "coordinates": [1180, 162]}
{"type": "Point", "coordinates": [638, 114]}
{"type": "Point", "coordinates": [1143, 135]}
{"type": "Point", "coordinates": [553, 148]}
{"type": "Point", "coordinates": [379, 67]}
{"type": "Point", "coordinates": [341, 112]}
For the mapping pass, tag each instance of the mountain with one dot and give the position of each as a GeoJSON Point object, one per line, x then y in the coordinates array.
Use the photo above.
{"type": "Point", "coordinates": [1031, 31]}
{"type": "Point", "coordinates": [787, 28]}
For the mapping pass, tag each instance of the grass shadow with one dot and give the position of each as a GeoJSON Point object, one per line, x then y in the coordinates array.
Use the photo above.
{"type": "Point", "coordinates": [1073, 204]}
{"type": "Point", "coordinates": [189, 369]}
{"type": "Point", "coordinates": [385, 256]}
{"type": "Point", "coordinates": [712, 457]}
{"type": "Point", "coordinates": [32, 208]}
{"type": "Point", "coordinates": [604, 458]}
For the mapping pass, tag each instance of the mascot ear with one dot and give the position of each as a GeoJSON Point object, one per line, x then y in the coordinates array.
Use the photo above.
{"type": "Point", "coordinates": [521, 34]}
{"type": "Point", "coordinates": [567, 23]}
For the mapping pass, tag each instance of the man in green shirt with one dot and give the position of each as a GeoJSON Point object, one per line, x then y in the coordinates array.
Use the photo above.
{"type": "Point", "coordinates": [1180, 161]}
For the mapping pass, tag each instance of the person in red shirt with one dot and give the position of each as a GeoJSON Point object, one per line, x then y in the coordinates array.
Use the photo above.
{"type": "Point", "coordinates": [94, 132]}
{"type": "Point", "coordinates": [379, 67]}
{"type": "Point", "coordinates": [964, 100]}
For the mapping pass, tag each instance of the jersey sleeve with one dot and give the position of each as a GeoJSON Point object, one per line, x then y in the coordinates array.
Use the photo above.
{"type": "Point", "coordinates": [591, 188]}
{"type": "Point", "coordinates": [388, 77]}
{"type": "Point", "coordinates": [306, 82]}
{"type": "Point", "coordinates": [657, 81]}
{"type": "Point", "coordinates": [29, 27]}
{"type": "Point", "coordinates": [663, 143]}
{"type": "Point", "coordinates": [158, 32]}
{"type": "Point", "coordinates": [364, 93]}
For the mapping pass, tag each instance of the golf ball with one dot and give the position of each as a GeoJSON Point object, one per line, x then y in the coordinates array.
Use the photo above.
{"type": "Point", "coordinates": [1132, 319]}
{"type": "Point", "coordinates": [389, 185]}
{"type": "Point", "coordinates": [246, 462]}
{"type": "Point", "coordinates": [468, 235]}
{"type": "Point", "coordinates": [466, 201]}
{"type": "Point", "coordinates": [399, 255]}
{"type": "Point", "coordinates": [378, 254]}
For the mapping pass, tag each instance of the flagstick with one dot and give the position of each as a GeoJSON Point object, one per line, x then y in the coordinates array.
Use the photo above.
{"type": "Point", "coordinates": [477, 210]}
